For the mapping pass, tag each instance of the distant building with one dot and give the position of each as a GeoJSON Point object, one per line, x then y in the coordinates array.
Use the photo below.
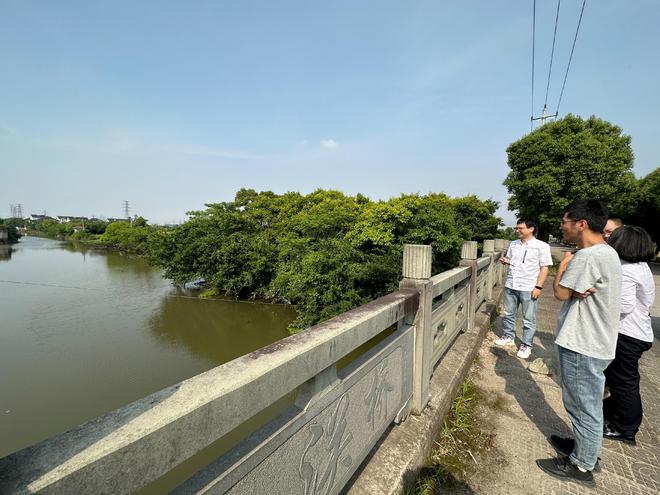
{"type": "Point", "coordinates": [40, 217]}
{"type": "Point", "coordinates": [78, 228]}
{"type": "Point", "coordinates": [67, 219]}
{"type": "Point", "coordinates": [110, 220]}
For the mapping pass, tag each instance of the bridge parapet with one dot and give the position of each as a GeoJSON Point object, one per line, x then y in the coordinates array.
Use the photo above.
{"type": "Point", "coordinates": [345, 401]}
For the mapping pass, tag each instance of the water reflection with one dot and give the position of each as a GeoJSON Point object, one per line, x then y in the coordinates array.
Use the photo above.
{"type": "Point", "coordinates": [217, 329]}
{"type": "Point", "coordinates": [5, 252]}
{"type": "Point", "coordinates": [90, 331]}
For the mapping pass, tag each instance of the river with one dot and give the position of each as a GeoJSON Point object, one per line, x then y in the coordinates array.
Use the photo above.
{"type": "Point", "coordinates": [83, 332]}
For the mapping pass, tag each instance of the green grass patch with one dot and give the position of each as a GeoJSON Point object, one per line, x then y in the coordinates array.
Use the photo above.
{"type": "Point", "coordinates": [464, 435]}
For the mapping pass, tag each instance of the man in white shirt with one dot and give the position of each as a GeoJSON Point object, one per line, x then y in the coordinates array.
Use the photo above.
{"type": "Point", "coordinates": [528, 259]}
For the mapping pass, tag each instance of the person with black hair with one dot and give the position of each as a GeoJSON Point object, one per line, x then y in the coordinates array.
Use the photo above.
{"type": "Point", "coordinates": [622, 410]}
{"type": "Point", "coordinates": [589, 283]}
{"type": "Point", "coordinates": [528, 259]}
{"type": "Point", "coordinates": [612, 224]}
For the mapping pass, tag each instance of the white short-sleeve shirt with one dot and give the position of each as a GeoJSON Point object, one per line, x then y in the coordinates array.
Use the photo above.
{"type": "Point", "coordinates": [527, 258]}
{"type": "Point", "coordinates": [637, 296]}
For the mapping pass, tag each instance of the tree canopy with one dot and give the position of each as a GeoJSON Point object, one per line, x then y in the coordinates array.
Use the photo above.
{"type": "Point", "coordinates": [324, 252]}
{"type": "Point", "coordinates": [642, 207]}
{"type": "Point", "coordinates": [565, 160]}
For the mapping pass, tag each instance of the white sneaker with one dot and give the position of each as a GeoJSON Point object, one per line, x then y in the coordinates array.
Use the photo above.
{"type": "Point", "coordinates": [504, 340]}
{"type": "Point", "coordinates": [524, 351]}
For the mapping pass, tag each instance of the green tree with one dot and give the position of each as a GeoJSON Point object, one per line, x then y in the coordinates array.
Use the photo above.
{"type": "Point", "coordinates": [642, 208]}
{"type": "Point", "coordinates": [139, 221]}
{"type": "Point", "coordinates": [9, 225]}
{"type": "Point", "coordinates": [126, 237]}
{"type": "Point", "coordinates": [323, 252]}
{"type": "Point", "coordinates": [565, 160]}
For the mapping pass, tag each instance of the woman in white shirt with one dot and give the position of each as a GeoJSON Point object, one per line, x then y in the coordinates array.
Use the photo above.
{"type": "Point", "coordinates": [622, 410]}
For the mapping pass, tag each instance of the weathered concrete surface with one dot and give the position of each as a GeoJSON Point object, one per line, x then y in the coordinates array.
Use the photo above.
{"type": "Point", "coordinates": [396, 460]}
{"type": "Point", "coordinates": [125, 449]}
{"type": "Point", "coordinates": [530, 409]}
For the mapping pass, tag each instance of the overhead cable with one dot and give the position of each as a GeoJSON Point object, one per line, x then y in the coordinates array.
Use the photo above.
{"type": "Point", "coordinates": [552, 54]}
{"type": "Point", "coordinates": [571, 56]}
{"type": "Point", "coordinates": [533, 49]}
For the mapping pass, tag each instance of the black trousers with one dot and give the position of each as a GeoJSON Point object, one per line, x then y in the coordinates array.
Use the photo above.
{"type": "Point", "coordinates": [623, 408]}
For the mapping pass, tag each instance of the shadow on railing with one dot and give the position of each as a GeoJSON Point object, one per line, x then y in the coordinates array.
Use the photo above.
{"type": "Point", "coordinates": [323, 414]}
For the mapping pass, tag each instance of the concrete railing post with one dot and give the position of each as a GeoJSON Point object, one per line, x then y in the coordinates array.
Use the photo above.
{"type": "Point", "coordinates": [501, 245]}
{"type": "Point", "coordinates": [469, 258]}
{"type": "Point", "coordinates": [416, 274]}
{"type": "Point", "coordinates": [489, 250]}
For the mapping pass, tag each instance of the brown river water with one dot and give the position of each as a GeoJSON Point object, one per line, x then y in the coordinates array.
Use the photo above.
{"type": "Point", "coordinates": [83, 332]}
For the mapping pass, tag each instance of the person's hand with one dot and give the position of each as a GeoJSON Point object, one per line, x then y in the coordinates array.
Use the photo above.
{"type": "Point", "coordinates": [536, 293]}
{"type": "Point", "coordinates": [585, 294]}
{"type": "Point", "coordinates": [568, 256]}
{"type": "Point", "coordinates": [505, 261]}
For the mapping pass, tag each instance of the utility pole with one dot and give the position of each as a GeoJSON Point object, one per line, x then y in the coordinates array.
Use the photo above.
{"type": "Point", "coordinates": [544, 116]}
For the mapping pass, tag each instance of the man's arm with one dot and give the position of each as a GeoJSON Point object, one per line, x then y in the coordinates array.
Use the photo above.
{"type": "Point", "coordinates": [540, 280]}
{"type": "Point", "coordinates": [562, 293]}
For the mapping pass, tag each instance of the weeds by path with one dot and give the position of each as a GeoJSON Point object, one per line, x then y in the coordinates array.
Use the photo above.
{"type": "Point", "coordinates": [464, 438]}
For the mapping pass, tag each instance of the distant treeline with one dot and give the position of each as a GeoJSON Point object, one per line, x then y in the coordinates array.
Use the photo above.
{"type": "Point", "coordinates": [324, 252]}
{"type": "Point", "coordinates": [131, 237]}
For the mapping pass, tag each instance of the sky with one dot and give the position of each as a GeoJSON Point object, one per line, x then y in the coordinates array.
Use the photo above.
{"type": "Point", "coordinates": [171, 105]}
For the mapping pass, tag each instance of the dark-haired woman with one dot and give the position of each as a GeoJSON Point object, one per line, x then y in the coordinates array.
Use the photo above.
{"type": "Point", "coordinates": [622, 410]}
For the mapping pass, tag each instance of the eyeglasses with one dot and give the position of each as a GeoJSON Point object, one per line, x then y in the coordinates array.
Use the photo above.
{"type": "Point", "coordinates": [563, 222]}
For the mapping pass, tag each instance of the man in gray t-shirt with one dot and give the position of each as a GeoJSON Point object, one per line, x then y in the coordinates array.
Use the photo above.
{"type": "Point", "coordinates": [590, 325]}
{"type": "Point", "coordinates": [589, 283]}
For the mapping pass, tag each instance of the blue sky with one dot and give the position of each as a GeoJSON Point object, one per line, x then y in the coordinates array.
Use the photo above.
{"type": "Point", "coordinates": [171, 105]}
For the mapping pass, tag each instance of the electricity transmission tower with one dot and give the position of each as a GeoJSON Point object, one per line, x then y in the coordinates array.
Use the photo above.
{"type": "Point", "coordinates": [16, 210]}
{"type": "Point", "coordinates": [127, 209]}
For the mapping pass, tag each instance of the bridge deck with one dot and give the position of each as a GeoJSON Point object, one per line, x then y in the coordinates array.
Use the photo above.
{"type": "Point", "coordinates": [533, 410]}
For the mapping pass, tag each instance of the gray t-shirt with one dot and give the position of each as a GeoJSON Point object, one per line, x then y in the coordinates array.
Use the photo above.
{"type": "Point", "coordinates": [590, 326]}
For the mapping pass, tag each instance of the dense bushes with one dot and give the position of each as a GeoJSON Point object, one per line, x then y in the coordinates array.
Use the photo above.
{"type": "Point", "coordinates": [9, 225]}
{"type": "Point", "coordinates": [324, 252]}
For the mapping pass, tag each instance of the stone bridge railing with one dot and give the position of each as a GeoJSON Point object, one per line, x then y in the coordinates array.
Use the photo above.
{"type": "Point", "coordinates": [342, 399]}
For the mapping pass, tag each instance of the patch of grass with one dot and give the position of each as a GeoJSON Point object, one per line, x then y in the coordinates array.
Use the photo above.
{"type": "Point", "coordinates": [431, 481]}
{"type": "Point", "coordinates": [208, 293]}
{"type": "Point", "coordinates": [464, 435]}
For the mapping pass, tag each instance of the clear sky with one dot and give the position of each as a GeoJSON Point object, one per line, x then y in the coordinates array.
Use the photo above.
{"type": "Point", "coordinates": [171, 105]}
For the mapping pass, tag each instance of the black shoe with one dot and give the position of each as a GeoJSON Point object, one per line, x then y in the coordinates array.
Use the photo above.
{"type": "Point", "coordinates": [565, 446]}
{"type": "Point", "coordinates": [613, 434]}
{"type": "Point", "coordinates": [563, 468]}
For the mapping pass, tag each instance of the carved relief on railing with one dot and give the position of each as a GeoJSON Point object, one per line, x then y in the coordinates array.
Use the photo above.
{"type": "Point", "coordinates": [318, 474]}
{"type": "Point", "coordinates": [319, 448]}
{"type": "Point", "coordinates": [376, 399]}
{"type": "Point", "coordinates": [449, 318]}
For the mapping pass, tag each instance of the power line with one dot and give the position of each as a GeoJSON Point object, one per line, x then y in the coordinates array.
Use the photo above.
{"type": "Point", "coordinates": [552, 54]}
{"type": "Point", "coordinates": [571, 56]}
{"type": "Point", "coordinates": [531, 121]}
